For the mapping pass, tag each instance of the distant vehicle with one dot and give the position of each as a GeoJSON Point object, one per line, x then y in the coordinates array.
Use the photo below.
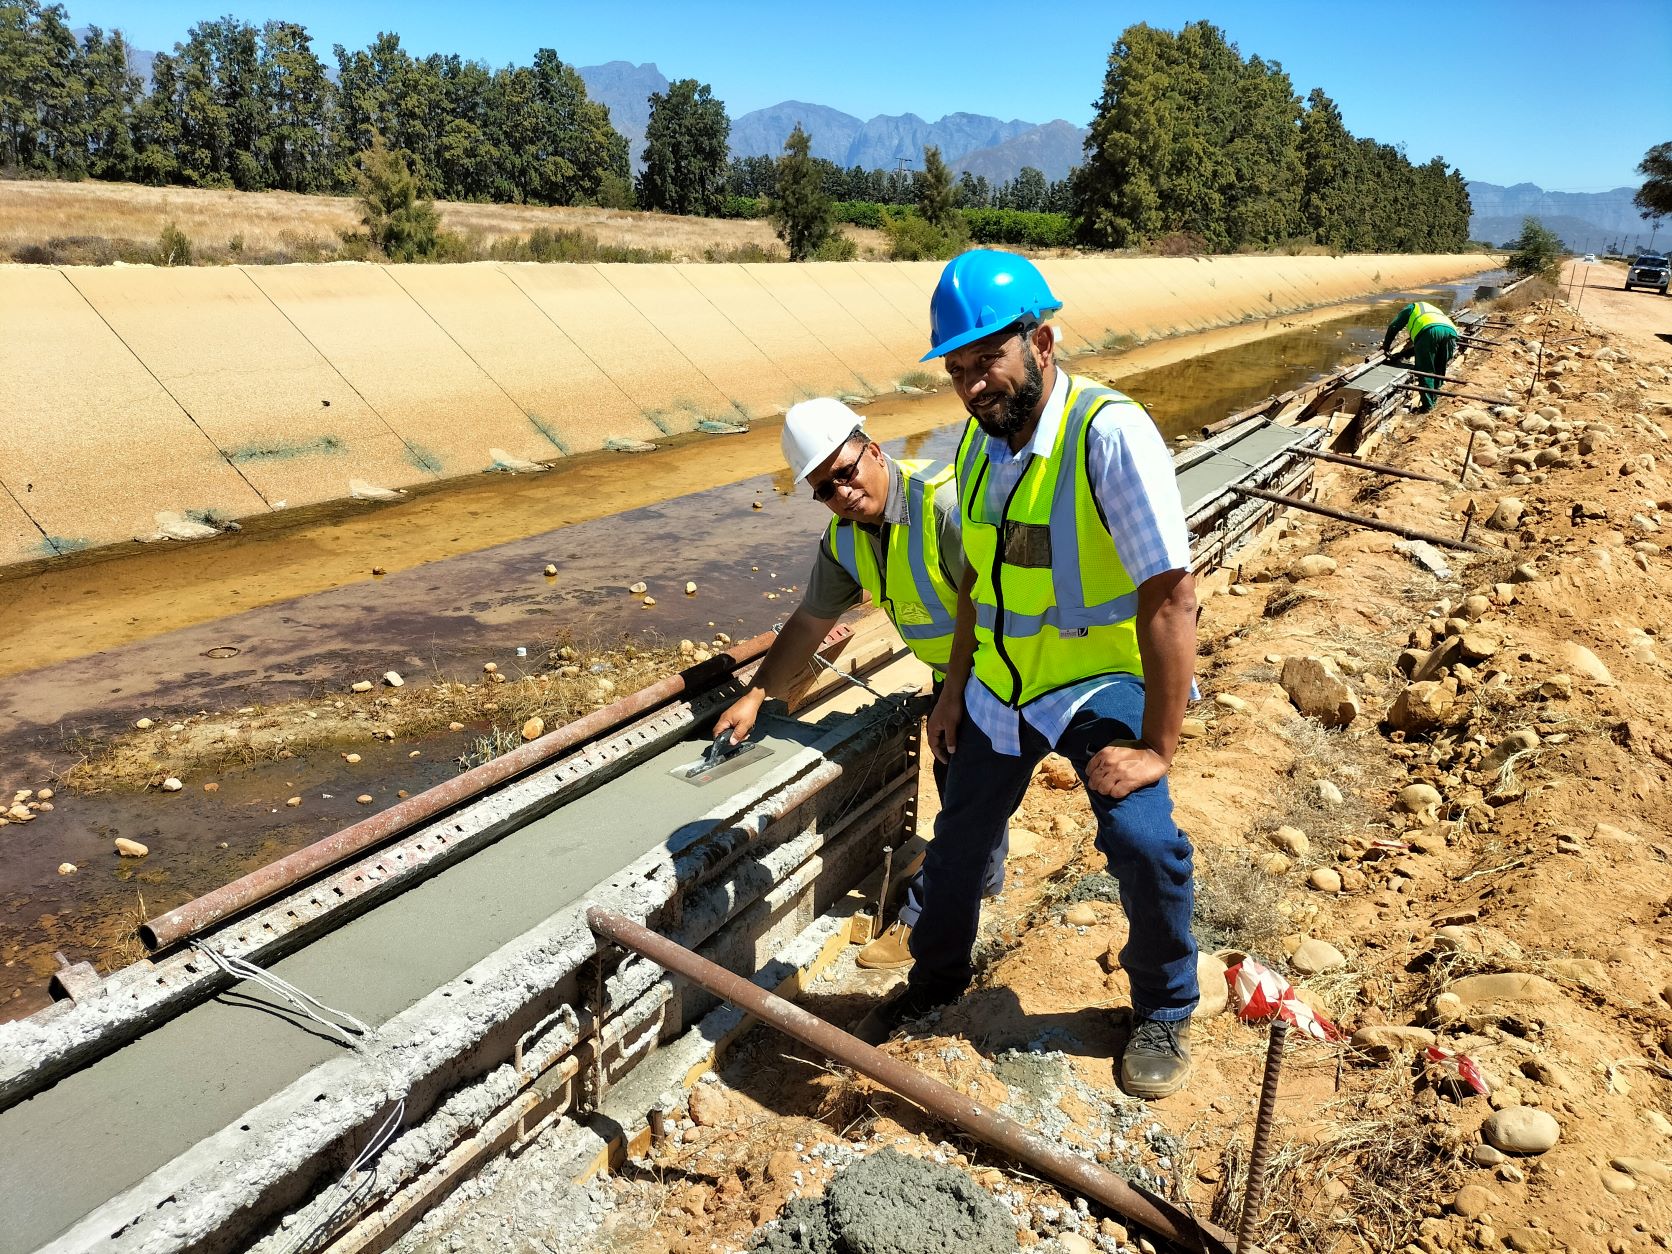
{"type": "Point", "coordinates": [1649, 270]}
{"type": "Point", "coordinates": [1590, 259]}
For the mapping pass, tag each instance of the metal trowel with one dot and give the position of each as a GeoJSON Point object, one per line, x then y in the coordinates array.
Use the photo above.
{"type": "Point", "coordinates": [720, 758]}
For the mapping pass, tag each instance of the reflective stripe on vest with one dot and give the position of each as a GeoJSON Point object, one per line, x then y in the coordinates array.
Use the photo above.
{"type": "Point", "coordinates": [1060, 607]}
{"type": "Point", "coordinates": [1423, 316]}
{"type": "Point", "coordinates": [925, 614]}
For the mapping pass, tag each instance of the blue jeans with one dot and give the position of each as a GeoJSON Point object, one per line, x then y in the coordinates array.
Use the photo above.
{"type": "Point", "coordinates": [1147, 854]}
{"type": "Point", "coordinates": [992, 883]}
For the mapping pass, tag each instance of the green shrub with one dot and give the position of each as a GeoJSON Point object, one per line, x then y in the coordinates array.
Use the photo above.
{"type": "Point", "coordinates": [838, 247]}
{"type": "Point", "coordinates": [744, 207]}
{"type": "Point", "coordinates": [910, 238]}
{"type": "Point", "coordinates": [865, 213]}
{"type": "Point", "coordinates": [545, 244]}
{"type": "Point", "coordinates": [1019, 228]}
{"type": "Point", "coordinates": [173, 247]}
{"type": "Point", "coordinates": [739, 254]}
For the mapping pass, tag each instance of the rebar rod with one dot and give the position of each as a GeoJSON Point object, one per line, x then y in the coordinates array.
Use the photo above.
{"type": "Point", "coordinates": [1255, 1194]}
{"type": "Point", "coordinates": [1359, 463]}
{"type": "Point", "coordinates": [1358, 520]}
{"type": "Point", "coordinates": [1079, 1175]}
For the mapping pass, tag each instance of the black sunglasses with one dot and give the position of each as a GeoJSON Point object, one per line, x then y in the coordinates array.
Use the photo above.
{"type": "Point", "coordinates": [826, 487]}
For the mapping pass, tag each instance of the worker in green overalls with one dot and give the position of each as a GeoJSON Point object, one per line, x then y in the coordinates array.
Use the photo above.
{"type": "Point", "coordinates": [1433, 338]}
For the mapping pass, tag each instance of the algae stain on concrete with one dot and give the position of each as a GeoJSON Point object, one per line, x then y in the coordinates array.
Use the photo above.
{"type": "Point", "coordinates": [892, 1203]}
{"type": "Point", "coordinates": [285, 450]}
{"type": "Point", "coordinates": [421, 457]}
{"type": "Point", "coordinates": [544, 429]}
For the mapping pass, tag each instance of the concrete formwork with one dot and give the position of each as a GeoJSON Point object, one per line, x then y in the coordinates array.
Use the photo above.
{"type": "Point", "coordinates": [200, 1131]}
{"type": "Point", "coordinates": [209, 395]}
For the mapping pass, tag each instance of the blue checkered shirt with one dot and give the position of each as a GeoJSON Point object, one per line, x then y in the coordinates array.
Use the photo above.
{"type": "Point", "coordinates": [1133, 480]}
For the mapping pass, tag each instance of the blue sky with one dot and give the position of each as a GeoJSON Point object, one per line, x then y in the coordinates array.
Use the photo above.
{"type": "Point", "coordinates": [1568, 96]}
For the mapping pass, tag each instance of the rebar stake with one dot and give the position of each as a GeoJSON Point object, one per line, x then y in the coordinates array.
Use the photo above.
{"type": "Point", "coordinates": [882, 889]}
{"type": "Point", "coordinates": [1255, 1193]}
{"type": "Point", "coordinates": [1468, 455]}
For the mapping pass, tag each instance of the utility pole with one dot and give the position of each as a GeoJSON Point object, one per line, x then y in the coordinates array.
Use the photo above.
{"type": "Point", "coordinates": [902, 164]}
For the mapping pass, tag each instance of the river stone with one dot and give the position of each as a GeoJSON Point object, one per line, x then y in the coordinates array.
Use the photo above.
{"type": "Point", "coordinates": [1516, 742]}
{"type": "Point", "coordinates": [1312, 566]}
{"type": "Point", "coordinates": [1318, 690]}
{"type": "Point", "coordinates": [1315, 957]}
{"type": "Point", "coordinates": [1419, 799]}
{"type": "Point", "coordinates": [130, 848]}
{"type": "Point", "coordinates": [1472, 1200]}
{"type": "Point", "coordinates": [1425, 706]}
{"type": "Point", "coordinates": [1581, 661]}
{"type": "Point", "coordinates": [1617, 1182]}
{"type": "Point", "coordinates": [1291, 840]}
{"type": "Point", "coordinates": [1383, 1040]}
{"type": "Point", "coordinates": [1476, 990]}
{"type": "Point", "coordinates": [1485, 1156]}
{"type": "Point", "coordinates": [1507, 515]}
{"type": "Point", "coordinates": [1521, 1130]}
{"type": "Point", "coordinates": [1325, 879]}
{"type": "Point", "coordinates": [1080, 914]}
{"type": "Point", "coordinates": [1643, 1169]}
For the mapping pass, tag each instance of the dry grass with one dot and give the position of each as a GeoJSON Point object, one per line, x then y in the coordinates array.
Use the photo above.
{"type": "Point", "coordinates": [568, 684]}
{"type": "Point", "coordinates": [284, 226]}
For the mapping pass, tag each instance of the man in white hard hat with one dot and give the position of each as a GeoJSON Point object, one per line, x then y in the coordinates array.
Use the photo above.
{"type": "Point", "coordinates": [895, 535]}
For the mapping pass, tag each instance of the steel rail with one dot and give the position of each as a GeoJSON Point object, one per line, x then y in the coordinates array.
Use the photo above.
{"type": "Point", "coordinates": [1079, 1175]}
{"type": "Point", "coordinates": [183, 922]}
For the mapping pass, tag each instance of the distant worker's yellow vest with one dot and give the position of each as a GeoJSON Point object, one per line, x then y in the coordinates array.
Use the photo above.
{"type": "Point", "coordinates": [1053, 603]}
{"type": "Point", "coordinates": [1423, 316]}
{"type": "Point", "coordinates": [913, 589]}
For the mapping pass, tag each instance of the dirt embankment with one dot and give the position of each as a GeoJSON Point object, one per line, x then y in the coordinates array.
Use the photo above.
{"type": "Point", "coordinates": [1477, 860]}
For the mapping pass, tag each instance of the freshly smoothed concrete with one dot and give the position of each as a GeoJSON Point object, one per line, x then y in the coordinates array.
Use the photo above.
{"type": "Point", "coordinates": [223, 393]}
{"type": "Point", "coordinates": [104, 1128]}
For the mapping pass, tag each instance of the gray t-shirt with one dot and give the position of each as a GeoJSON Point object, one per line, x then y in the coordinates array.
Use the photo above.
{"type": "Point", "coordinates": [831, 591]}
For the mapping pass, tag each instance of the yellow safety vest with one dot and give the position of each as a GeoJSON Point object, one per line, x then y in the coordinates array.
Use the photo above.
{"type": "Point", "coordinates": [913, 589]}
{"type": "Point", "coordinates": [1056, 606]}
{"type": "Point", "coordinates": [1423, 316]}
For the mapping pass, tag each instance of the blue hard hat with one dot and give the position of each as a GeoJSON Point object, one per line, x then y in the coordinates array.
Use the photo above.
{"type": "Point", "coordinates": [982, 291]}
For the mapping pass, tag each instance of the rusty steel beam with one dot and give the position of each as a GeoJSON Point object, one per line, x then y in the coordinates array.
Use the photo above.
{"type": "Point", "coordinates": [1360, 520]}
{"type": "Point", "coordinates": [185, 921]}
{"type": "Point", "coordinates": [1079, 1175]}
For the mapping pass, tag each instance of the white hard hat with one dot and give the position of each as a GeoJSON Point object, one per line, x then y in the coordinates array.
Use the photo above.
{"type": "Point", "coordinates": [815, 429]}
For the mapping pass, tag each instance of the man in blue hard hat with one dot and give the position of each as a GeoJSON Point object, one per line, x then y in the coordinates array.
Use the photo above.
{"type": "Point", "coordinates": [1076, 633]}
{"type": "Point", "coordinates": [1432, 337]}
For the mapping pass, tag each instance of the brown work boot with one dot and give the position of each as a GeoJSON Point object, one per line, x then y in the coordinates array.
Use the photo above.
{"type": "Point", "coordinates": [888, 952]}
{"type": "Point", "coordinates": [1157, 1058]}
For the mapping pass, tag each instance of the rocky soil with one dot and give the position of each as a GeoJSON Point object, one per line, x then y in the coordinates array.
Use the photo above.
{"type": "Point", "coordinates": [1433, 794]}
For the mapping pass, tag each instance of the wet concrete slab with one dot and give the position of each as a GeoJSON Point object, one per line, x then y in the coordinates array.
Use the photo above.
{"type": "Point", "coordinates": [104, 1128]}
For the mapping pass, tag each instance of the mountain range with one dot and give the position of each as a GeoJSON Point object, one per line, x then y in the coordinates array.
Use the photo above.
{"type": "Point", "coordinates": [1586, 221]}
{"type": "Point", "coordinates": [982, 145]}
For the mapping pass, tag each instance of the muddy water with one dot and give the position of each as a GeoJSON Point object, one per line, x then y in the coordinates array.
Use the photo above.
{"type": "Point", "coordinates": [88, 649]}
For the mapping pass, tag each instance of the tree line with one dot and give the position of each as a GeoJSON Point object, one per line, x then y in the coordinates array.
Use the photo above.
{"type": "Point", "coordinates": [254, 109]}
{"type": "Point", "coordinates": [1192, 142]}
{"type": "Point", "coordinates": [1192, 138]}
